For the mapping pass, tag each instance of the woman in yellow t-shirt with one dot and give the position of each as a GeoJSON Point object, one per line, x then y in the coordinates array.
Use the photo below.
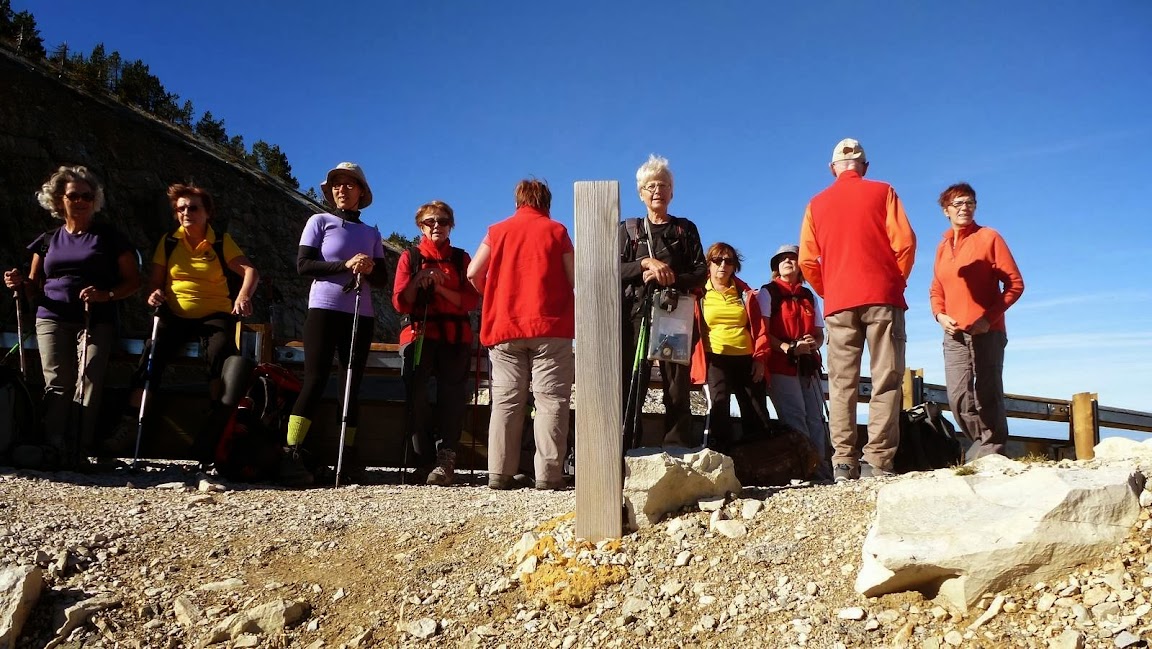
{"type": "Point", "coordinates": [189, 285]}
{"type": "Point", "coordinates": [731, 354]}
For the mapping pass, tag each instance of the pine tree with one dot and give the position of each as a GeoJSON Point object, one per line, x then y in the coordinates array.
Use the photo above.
{"type": "Point", "coordinates": [211, 129]}
{"type": "Point", "coordinates": [272, 160]}
{"type": "Point", "coordinates": [25, 32]}
{"type": "Point", "coordinates": [400, 240]}
{"type": "Point", "coordinates": [311, 193]}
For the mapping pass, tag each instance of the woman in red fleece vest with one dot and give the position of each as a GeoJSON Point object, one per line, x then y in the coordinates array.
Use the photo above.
{"type": "Point", "coordinates": [525, 270]}
{"type": "Point", "coordinates": [731, 354]}
{"type": "Point", "coordinates": [431, 289]}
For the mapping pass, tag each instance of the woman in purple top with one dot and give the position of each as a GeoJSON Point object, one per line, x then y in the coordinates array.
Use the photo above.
{"type": "Point", "coordinates": [334, 248]}
{"type": "Point", "coordinates": [78, 270]}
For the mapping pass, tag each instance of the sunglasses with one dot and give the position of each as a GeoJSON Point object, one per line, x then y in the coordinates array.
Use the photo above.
{"type": "Point", "coordinates": [191, 209]}
{"type": "Point", "coordinates": [442, 221]}
{"type": "Point", "coordinates": [76, 197]}
{"type": "Point", "coordinates": [720, 261]}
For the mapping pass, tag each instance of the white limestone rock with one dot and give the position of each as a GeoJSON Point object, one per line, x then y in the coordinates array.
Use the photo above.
{"type": "Point", "coordinates": [1005, 524]}
{"type": "Point", "coordinates": [660, 481]}
{"type": "Point", "coordinates": [20, 588]}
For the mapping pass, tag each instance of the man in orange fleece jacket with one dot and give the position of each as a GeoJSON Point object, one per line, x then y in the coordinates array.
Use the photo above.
{"type": "Point", "coordinates": [857, 250]}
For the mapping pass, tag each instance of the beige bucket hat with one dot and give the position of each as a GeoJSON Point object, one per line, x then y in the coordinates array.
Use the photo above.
{"type": "Point", "coordinates": [354, 170]}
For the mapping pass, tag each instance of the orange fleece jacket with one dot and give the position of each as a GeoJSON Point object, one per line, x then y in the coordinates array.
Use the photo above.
{"type": "Point", "coordinates": [857, 247]}
{"type": "Point", "coordinates": [970, 267]}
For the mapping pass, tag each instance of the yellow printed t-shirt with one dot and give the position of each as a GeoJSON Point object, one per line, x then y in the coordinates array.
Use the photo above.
{"type": "Point", "coordinates": [196, 285]}
{"type": "Point", "coordinates": [727, 321]}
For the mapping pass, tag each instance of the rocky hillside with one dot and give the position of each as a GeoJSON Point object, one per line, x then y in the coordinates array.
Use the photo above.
{"type": "Point", "coordinates": [157, 559]}
{"type": "Point", "coordinates": [45, 123]}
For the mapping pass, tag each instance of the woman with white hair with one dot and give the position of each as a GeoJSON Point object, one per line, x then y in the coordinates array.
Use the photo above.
{"type": "Point", "coordinates": [335, 248]}
{"type": "Point", "coordinates": [78, 270]}
{"type": "Point", "coordinates": [661, 255]}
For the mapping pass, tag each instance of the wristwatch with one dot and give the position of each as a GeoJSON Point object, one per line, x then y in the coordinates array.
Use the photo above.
{"type": "Point", "coordinates": [111, 295]}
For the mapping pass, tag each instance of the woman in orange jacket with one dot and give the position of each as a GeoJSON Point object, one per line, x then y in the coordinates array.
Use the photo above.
{"type": "Point", "coordinates": [731, 353]}
{"type": "Point", "coordinates": [974, 281]}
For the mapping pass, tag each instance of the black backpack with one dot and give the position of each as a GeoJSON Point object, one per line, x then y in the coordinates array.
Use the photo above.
{"type": "Point", "coordinates": [927, 440]}
{"type": "Point", "coordinates": [415, 264]}
{"type": "Point", "coordinates": [250, 445]}
{"type": "Point", "coordinates": [234, 280]}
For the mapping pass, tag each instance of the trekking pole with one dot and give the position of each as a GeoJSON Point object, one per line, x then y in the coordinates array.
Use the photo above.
{"type": "Point", "coordinates": [81, 376]}
{"type": "Point", "coordinates": [420, 339]}
{"type": "Point", "coordinates": [633, 409]}
{"type": "Point", "coordinates": [475, 406]}
{"type": "Point", "coordinates": [20, 334]}
{"type": "Point", "coordinates": [348, 378]}
{"type": "Point", "coordinates": [707, 416]}
{"type": "Point", "coordinates": [147, 386]}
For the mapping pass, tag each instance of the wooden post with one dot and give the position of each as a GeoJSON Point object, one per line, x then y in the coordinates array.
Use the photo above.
{"type": "Point", "coordinates": [912, 388]}
{"type": "Point", "coordinates": [599, 447]}
{"type": "Point", "coordinates": [1085, 425]}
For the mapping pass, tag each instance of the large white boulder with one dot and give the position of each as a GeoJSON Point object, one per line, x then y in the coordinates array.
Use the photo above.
{"type": "Point", "coordinates": [1124, 449]}
{"type": "Point", "coordinates": [963, 536]}
{"type": "Point", "coordinates": [659, 481]}
{"type": "Point", "coordinates": [20, 587]}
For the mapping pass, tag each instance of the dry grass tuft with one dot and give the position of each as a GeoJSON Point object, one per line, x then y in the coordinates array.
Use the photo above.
{"type": "Point", "coordinates": [964, 469]}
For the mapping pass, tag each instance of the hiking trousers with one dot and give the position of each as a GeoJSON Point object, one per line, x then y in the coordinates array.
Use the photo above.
{"type": "Point", "coordinates": [548, 366]}
{"type": "Point", "coordinates": [974, 375]}
{"type": "Point", "coordinates": [882, 328]}
{"type": "Point", "coordinates": [71, 410]}
{"type": "Point", "coordinates": [448, 363]}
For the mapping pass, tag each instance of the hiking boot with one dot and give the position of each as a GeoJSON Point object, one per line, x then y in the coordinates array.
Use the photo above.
{"type": "Point", "coordinates": [293, 473]}
{"type": "Point", "coordinates": [845, 472]}
{"type": "Point", "coordinates": [352, 470]}
{"type": "Point", "coordinates": [122, 441]}
{"type": "Point", "coordinates": [551, 485]}
{"type": "Point", "coordinates": [502, 482]}
{"type": "Point", "coordinates": [445, 469]}
{"type": "Point", "coordinates": [869, 471]}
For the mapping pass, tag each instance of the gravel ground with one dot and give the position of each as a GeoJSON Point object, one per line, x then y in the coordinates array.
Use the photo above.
{"type": "Point", "coordinates": [164, 564]}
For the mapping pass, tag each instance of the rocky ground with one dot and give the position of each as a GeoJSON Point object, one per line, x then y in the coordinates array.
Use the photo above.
{"type": "Point", "coordinates": [158, 562]}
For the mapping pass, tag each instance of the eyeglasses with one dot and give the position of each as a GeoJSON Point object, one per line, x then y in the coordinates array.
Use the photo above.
{"type": "Point", "coordinates": [962, 202]}
{"type": "Point", "coordinates": [191, 209]}
{"type": "Point", "coordinates": [345, 185]}
{"type": "Point", "coordinates": [652, 188]}
{"type": "Point", "coordinates": [442, 221]}
{"type": "Point", "coordinates": [720, 261]}
{"type": "Point", "coordinates": [76, 197]}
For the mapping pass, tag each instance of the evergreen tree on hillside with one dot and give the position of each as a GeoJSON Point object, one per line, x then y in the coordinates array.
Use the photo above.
{"type": "Point", "coordinates": [6, 19]}
{"type": "Point", "coordinates": [184, 117]}
{"type": "Point", "coordinates": [272, 160]}
{"type": "Point", "coordinates": [311, 193]}
{"type": "Point", "coordinates": [139, 87]}
{"type": "Point", "coordinates": [237, 149]}
{"type": "Point", "coordinates": [211, 129]}
{"type": "Point", "coordinates": [27, 35]}
{"type": "Point", "coordinates": [400, 240]}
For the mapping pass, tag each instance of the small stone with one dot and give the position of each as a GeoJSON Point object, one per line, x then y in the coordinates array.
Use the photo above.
{"type": "Point", "coordinates": [202, 499]}
{"type": "Point", "coordinates": [750, 509]}
{"type": "Point", "coordinates": [1045, 602]}
{"type": "Point", "coordinates": [633, 606]}
{"type": "Point", "coordinates": [683, 558]}
{"type": "Point", "coordinates": [888, 616]}
{"type": "Point", "coordinates": [1069, 639]}
{"type": "Point", "coordinates": [1125, 638]}
{"type": "Point", "coordinates": [812, 588]}
{"type": "Point", "coordinates": [708, 622]}
{"type": "Point", "coordinates": [711, 504]}
{"type": "Point", "coordinates": [871, 625]}
{"type": "Point", "coordinates": [851, 613]}
{"type": "Point", "coordinates": [731, 529]}
{"type": "Point", "coordinates": [954, 638]}
{"type": "Point", "coordinates": [186, 612]}
{"type": "Point", "coordinates": [232, 583]}
{"type": "Point", "coordinates": [671, 588]}
{"type": "Point", "coordinates": [422, 628]}
{"type": "Point", "coordinates": [246, 640]}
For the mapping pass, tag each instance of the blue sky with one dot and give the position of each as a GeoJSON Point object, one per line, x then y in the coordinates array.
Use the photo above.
{"type": "Point", "coordinates": [1042, 106]}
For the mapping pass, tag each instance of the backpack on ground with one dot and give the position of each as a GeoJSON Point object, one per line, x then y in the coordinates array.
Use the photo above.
{"type": "Point", "coordinates": [250, 445]}
{"type": "Point", "coordinates": [927, 440]}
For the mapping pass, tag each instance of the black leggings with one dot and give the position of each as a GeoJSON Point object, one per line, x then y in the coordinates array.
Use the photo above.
{"type": "Point", "coordinates": [328, 332]}
{"type": "Point", "coordinates": [217, 332]}
{"type": "Point", "coordinates": [731, 376]}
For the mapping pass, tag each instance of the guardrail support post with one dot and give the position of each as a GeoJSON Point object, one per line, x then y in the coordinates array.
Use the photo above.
{"type": "Point", "coordinates": [599, 445]}
{"type": "Point", "coordinates": [1085, 424]}
{"type": "Point", "coordinates": [912, 389]}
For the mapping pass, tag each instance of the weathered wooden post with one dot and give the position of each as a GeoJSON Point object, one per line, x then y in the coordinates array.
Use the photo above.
{"type": "Point", "coordinates": [599, 480]}
{"type": "Point", "coordinates": [912, 389]}
{"type": "Point", "coordinates": [1085, 425]}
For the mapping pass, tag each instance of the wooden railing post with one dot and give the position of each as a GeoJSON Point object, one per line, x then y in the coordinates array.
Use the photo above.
{"type": "Point", "coordinates": [912, 389]}
{"type": "Point", "coordinates": [599, 447]}
{"type": "Point", "coordinates": [1085, 425]}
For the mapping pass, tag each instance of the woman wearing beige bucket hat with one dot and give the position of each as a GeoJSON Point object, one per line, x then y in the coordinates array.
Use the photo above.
{"type": "Point", "coordinates": [795, 332]}
{"type": "Point", "coordinates": [336, 250]}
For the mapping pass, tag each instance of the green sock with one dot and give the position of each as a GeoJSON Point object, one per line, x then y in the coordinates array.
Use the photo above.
{"type": "Point", "coordinates": [298, 429]}
{"type": "Point", "coordinates": [350, 436]}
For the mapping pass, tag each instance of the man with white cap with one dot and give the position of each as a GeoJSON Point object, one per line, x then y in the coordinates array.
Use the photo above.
{"type": "Point", "coordinates": [857, 249]}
